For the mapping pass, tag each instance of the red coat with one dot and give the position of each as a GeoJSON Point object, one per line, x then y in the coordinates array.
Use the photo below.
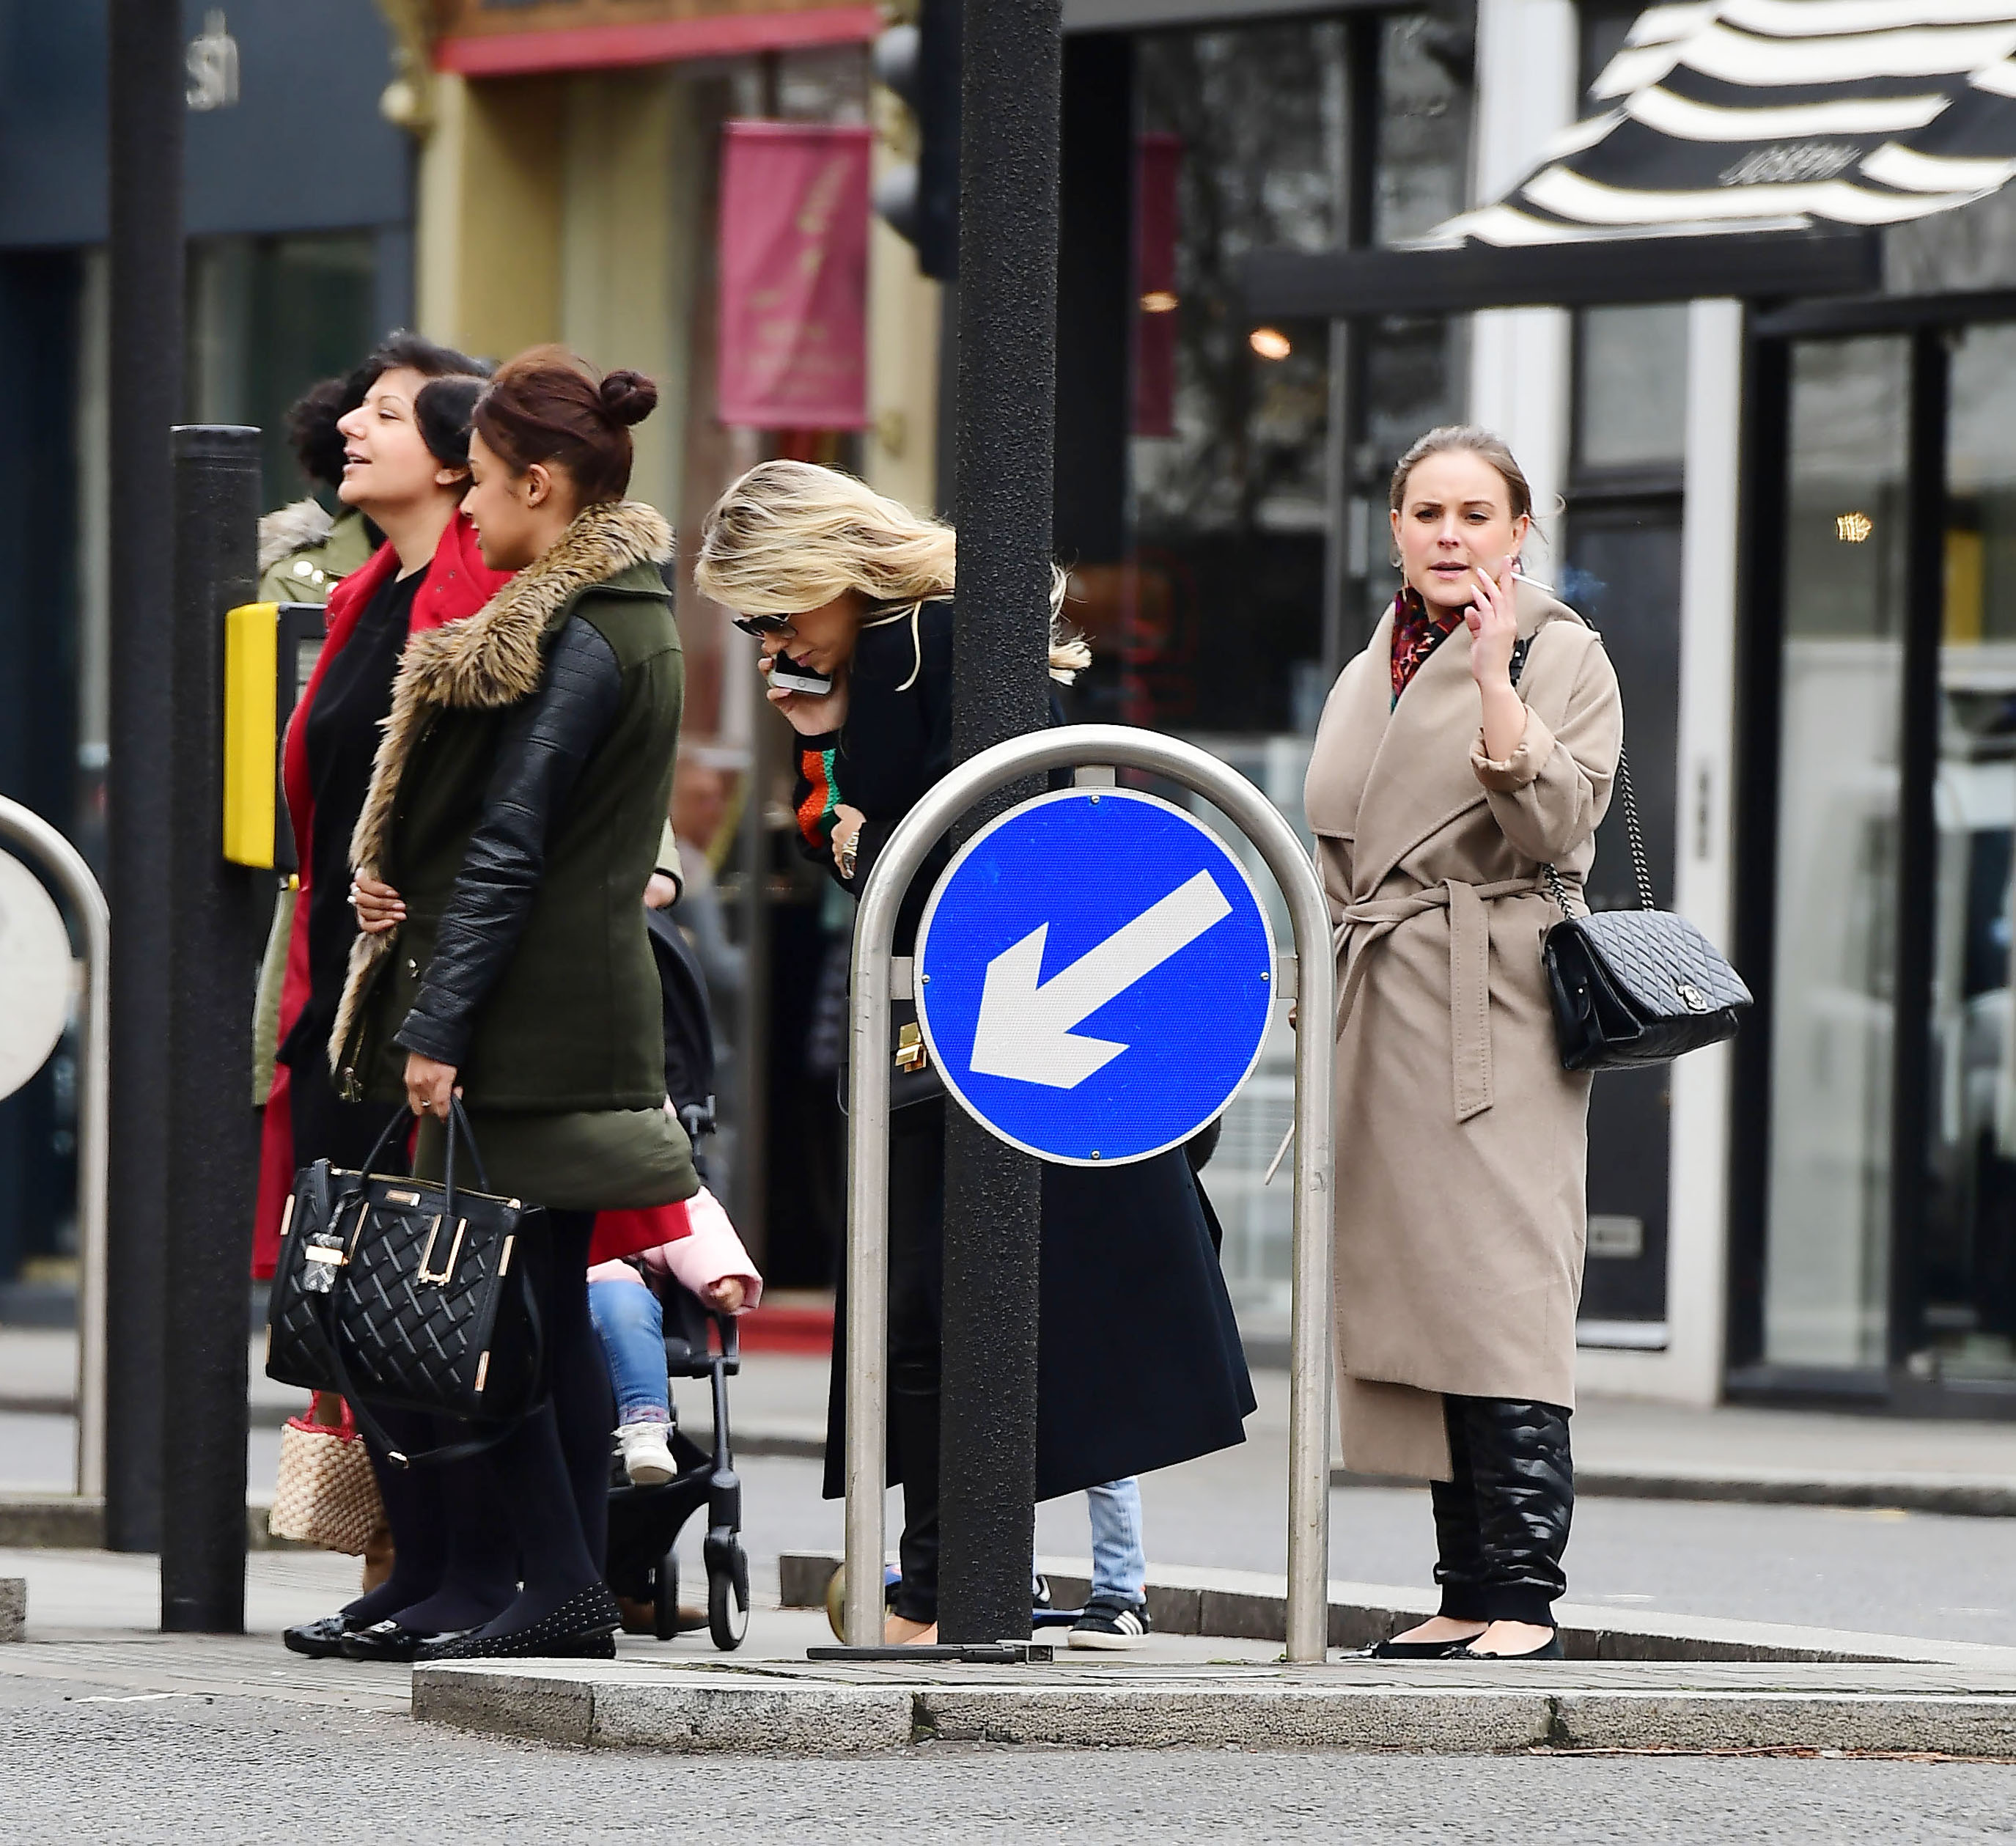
{"type": "Point", "coordinates": [458, 583]}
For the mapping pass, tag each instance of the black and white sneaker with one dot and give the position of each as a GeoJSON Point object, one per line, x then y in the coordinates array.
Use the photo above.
{"type": "Point", "coordinates": [1109, 1623]}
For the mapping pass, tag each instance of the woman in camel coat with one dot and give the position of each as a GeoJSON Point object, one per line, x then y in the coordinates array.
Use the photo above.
{"type": "Point", "coordinates": [1438, 791]}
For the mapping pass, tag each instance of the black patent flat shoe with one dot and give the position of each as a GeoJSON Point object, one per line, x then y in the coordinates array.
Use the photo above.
{"type": "Point", "coordinates": [319, 1640]}
{"type": "Point", "coordinates": [582, 1627]}
{"type": "Point", "coordinates": [1549, 1650]}
{"type": "Point", "coordinates": [1417, 1649]}
{"type": "Point", "coordinates": [390, 1640]}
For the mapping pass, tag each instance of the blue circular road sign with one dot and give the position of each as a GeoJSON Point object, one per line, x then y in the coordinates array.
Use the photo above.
{"type": "Point", "coordinates": [1094, 971]}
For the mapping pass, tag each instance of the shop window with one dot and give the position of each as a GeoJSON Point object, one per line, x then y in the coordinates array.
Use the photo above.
{"type": "Point", "coordinates": [1833, 1016]}
{"type": "Point", "coordinates": [267, 316]}
{"type": "Point", "coordinates": [1212, 624]}
{"type": "Point", "coordinates": [1631, 388]}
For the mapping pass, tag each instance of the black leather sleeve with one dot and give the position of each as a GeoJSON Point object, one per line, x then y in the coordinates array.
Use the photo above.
{"type": "Point", "coordinates": [539, 759]}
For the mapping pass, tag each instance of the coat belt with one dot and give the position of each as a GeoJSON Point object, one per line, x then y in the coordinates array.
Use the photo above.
{"type": "Point", "coordinates": [1370, 921]}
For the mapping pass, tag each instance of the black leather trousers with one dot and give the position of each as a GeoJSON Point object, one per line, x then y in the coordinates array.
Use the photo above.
{"type": "Point", "coordinates": [1501, 1522]}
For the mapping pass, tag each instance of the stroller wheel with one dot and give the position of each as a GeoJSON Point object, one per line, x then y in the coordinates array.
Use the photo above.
{"type": "Point", "coordinates": [665, 1602]}
{"type": "Point", "coordinates": [728, 1599]}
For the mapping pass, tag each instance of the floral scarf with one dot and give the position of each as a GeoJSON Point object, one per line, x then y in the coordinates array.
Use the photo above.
{"type": "Point", "coordinates": [1416, 634]}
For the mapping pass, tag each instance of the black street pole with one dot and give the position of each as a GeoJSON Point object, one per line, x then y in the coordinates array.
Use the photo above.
{"type": "Point", "coordinates": [145, 95]}
{"type": "Point", "coordinates": [209, 1176]}
{"type": "Point", "coordinates": [1012, 61]}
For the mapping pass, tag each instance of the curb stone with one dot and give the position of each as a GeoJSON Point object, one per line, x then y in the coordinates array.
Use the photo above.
{"type": "Point", "coordinates": [13, 1607]}
{"type": "Point", "coordinates": [786, 1710]}
{"type": "Point", "coordinates": [1252, 1606]}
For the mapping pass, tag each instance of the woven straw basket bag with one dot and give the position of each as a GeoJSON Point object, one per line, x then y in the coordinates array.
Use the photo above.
{"type": "Point", "coordinates": [326, 1495]}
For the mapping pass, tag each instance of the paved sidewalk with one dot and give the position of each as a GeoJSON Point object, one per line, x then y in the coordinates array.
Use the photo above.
{"type": "Point", "coordinates": [1623, 1445]}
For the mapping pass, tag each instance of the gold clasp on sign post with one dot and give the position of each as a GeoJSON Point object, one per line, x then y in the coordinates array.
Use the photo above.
{"type": "Point", "coordinates": [911, 1054]}
{"type": "Point", "coordinates": [440, 1276]}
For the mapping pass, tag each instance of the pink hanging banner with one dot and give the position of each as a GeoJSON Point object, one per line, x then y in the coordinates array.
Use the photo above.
{"type": "Point", "coordinates": [794, 342]}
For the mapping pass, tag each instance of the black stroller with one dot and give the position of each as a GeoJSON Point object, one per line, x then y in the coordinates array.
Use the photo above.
{"type": "Point", "coordinates": [645, 1522]}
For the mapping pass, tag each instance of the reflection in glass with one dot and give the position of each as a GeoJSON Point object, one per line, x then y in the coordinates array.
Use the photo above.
{"type": "Point", "coordinates": [1827, 1265]}
{"type": "Point", "coordinates": [1207, 626]}
{"type": "Point", "coordinates": [267, 316]}
{"type": "Point", "coordinates": [1631, 395]}
{"type": "Point", "coordinates": [1967, 1260]}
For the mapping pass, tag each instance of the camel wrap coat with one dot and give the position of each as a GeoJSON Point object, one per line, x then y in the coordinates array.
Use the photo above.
{"type": "Point", "coordinates": [1461, 1142]}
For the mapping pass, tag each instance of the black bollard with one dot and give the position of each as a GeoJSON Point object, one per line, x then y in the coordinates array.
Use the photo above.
{"type": "Point", "coordinates": [147, 81]}
{"type": "Point", "coordinates": [210, 1175]}
{"type": "Point", "coordinates": [1012, 60]}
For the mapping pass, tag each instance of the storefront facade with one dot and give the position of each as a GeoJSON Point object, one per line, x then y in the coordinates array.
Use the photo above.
{"type": "Point", "coordinates": [298, 206]}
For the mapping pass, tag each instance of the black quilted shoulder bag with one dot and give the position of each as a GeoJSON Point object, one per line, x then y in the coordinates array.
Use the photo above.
{"type": "Point", "coordinates": [1634, 987]}
{"type": "Point", "coordinates": [411, 1293]}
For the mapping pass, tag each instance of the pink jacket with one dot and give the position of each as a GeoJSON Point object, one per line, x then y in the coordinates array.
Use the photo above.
{"type": "Point", "coordinates": [708, 1251]}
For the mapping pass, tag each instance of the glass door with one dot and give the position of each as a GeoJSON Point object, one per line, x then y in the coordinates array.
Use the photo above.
{"type": "Point", "coordinates": [1827, 1179]}
{"type": "Point", "coordinates": [1963, 1272]}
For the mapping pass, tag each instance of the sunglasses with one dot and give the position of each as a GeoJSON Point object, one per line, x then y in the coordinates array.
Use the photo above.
{"type": "Point", "coordinates": [760, 625]}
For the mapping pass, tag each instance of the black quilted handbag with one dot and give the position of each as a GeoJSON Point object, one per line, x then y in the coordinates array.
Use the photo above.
{"type": "Point", "coordinates": [1636, 987]}
{"type": "Point", "coordinates": [410, 1293]}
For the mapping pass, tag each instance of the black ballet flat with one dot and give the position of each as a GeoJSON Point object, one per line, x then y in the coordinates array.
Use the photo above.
{"type": "Point", "coordinates": [1416, 1650]}
{"type": "Point", "coordinates": [1548, 1649]}
{"type": "Point", "coordinates": [320, 1640]}
{"type": "Point", "coordinates": [582, 1627]}
{"type": "Point", "coordinates": [391, 1640]}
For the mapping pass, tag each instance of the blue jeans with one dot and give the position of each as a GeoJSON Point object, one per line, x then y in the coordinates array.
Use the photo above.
{"type": "Point", "coordinates": [1119, 1566]}
{"type": "Point", "coordinates": [631, 1327]}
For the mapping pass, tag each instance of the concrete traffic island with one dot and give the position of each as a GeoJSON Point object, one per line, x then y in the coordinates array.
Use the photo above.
{"type": "Point", "coordinates": [785, 1708]}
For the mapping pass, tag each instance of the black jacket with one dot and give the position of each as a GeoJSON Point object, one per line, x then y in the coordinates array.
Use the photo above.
{"type": "Point", "coordinates": [1139, 1364]}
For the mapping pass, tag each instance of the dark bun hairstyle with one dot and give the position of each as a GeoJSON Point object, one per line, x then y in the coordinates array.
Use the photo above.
{"type": "Point", "coordinates": [549, 406]}
{"type": "Point", "coordinates": [442, 412]}
{"type": "Point", "coordinates": [629, 397]}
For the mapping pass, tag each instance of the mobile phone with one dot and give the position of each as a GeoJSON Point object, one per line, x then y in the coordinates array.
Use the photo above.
{"type": "Point", "coordinates": [794, 676]}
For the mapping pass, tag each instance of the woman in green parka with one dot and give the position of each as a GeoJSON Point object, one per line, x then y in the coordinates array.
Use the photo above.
{"type": "Point", "coordinates": [514, 816]}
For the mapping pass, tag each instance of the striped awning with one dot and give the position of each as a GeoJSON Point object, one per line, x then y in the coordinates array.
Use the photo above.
{"type": "Point", "coordinates": [1777, 115]}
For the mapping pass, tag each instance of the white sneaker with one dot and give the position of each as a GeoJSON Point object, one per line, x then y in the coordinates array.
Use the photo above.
{"type": "Point", "coordinates": [647, 1454]}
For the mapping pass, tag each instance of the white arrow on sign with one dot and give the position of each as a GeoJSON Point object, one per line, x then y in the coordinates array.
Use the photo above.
{"type": "Point", "coordinates": [1025, 1022]}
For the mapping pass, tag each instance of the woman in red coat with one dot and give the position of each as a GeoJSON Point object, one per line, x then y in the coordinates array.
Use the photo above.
{"type": "Point", "coordinates": [406, 456]}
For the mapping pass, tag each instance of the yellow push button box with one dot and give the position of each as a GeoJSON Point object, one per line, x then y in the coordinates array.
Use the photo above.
{"type": "Point", "coordinates": [270, 649]}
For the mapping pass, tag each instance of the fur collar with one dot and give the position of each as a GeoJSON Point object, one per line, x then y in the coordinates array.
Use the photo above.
{"type": "Point", "coordinates": [492, 658]}
{"type": "Point", "coordinates": [290, 529]}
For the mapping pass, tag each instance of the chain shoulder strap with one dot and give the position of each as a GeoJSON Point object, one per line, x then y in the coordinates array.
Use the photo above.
{"type": "Point", "coordinates": [1641, 865]}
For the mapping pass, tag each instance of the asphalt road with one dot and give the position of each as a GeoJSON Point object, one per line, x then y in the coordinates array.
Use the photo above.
{"type": "Point", "coordinates": [179, 1771]}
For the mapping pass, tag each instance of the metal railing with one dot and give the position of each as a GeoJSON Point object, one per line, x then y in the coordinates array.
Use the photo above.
{"type": "Point", "coordinates": [875, 985]}
{"type": "Point", "coordinates": [23, 827]}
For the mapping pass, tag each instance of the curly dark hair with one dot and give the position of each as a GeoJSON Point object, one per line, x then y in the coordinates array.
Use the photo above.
{"type": "Point", "coordinates": [311, 431]}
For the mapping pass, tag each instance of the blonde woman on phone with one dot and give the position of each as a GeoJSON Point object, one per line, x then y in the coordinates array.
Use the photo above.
{"type": "Point", "coordinates": [1471, 745]}
{"type": "Point", "coordinates": [850, 595]}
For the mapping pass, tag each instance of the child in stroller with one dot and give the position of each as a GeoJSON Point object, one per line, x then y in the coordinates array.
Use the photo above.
{"type": "Point", "coordinates": [626, 1299]}
{"type": "Point", "coordinates": [653, 1312]}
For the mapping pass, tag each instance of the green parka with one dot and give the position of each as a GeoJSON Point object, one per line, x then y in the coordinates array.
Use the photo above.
{"type": "Point", "coordinates": [572, 1024]}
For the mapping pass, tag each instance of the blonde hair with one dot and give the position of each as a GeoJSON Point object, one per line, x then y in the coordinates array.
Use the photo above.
{"type": "Point", "coordinates": [1467, 438]}
{"type": "Point", "coordinates": [791, 536]}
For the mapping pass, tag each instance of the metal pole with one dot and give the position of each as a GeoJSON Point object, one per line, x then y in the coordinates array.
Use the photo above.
{"type": "Point", "coordinates": [209, 1176]}
{"type": "Point", "coordinates": [1078, 746]}
{"type": "Point", "coordinates": [146, 107]}
{"type": "Point", "coordinates": [23, 827]}
{"type": "Point", "coordinates": [1012, 64]}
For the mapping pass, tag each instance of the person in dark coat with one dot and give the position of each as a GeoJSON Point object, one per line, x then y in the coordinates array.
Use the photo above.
{"type": "Point", "coordinates": [512, 819]}
{"type": "Point", "coordinates": [407, 444]}
{"type": "Point", "coordinates": [1139, 1362]}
